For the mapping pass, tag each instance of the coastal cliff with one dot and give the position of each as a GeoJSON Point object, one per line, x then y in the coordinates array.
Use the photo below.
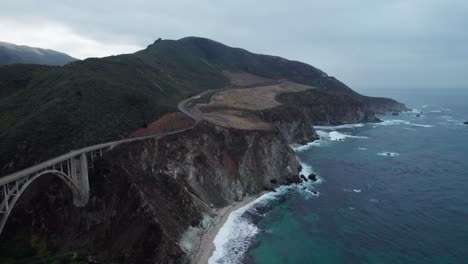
{"type": "Point", "coordinates": [145, 195]}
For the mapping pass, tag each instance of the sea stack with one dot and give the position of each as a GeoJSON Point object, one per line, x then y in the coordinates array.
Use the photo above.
{"type": "Point", "coordinates": [312, 177]}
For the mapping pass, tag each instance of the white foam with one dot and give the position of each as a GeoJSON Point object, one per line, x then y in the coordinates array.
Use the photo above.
{"type": "Point", "coordinates": [337, 136]}
{"type": "Point", "coordinates": [315, 143]}
{"type": "Point", "coordinates": [388, 154]}
{"type": "Point", "coordinates": [361, 148]}
{"type": "Point", "coordinates": [235, 236]}
{"type": "Point", "coordinates": [435, 111]}
{"type": "Point", "coordinates": [339, 126]}
{"type": "Point", "coordinates": [233, 239]}
{"type": "Point", "coordinates": [451, 120]}
{"type": "Point", "coordinates": [328, 136]}
{"type": "Point", "coordinates": [392, 122]}
{"type": "Point", "coordinates": [353, 190]}
{"type": "Point", "coordinates": [421, 125]}
{"type": "Point", "coordinates": [313, 193]}
{"type": "Point", "coordinates": [307, 170]}
{"type": "Point", "coordinates": [322, 133]}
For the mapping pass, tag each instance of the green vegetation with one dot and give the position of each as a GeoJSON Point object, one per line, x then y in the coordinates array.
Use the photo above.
{"type": "Point", "coordinates": [32, 249]}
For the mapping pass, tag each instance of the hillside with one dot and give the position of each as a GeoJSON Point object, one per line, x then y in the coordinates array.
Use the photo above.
{"type": "Point", "coordinates": [46, 111]}
{"type": "Point", "coordinates": [11, 54]}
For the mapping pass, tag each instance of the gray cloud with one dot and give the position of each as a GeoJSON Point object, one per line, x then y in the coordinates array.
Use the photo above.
{"type": "Point", "coordinates": [364, 43]}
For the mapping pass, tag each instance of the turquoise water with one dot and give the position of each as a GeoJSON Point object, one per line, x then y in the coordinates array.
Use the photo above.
{"type": "Point", "coordinates": [395, 193]}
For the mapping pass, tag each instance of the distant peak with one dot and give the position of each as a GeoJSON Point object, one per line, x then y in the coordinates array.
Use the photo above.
{"type": "Point", "coordinates": [11, 53]}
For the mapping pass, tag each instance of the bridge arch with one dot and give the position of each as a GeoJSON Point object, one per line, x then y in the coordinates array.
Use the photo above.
{"type": "Point", "coordinates": [64, 177]}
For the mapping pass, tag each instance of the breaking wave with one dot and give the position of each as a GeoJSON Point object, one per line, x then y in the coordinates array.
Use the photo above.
{"type": "Point", "coordinates": [335, 135]}
{"type": "Point", "coordinates": [339, 127]}
{"type": "Point", "coordinates": [238, 233]}
{"type": "Point", "coordinates": [388, 154]}
{"type": "Point", "coordinates": [392, 122]}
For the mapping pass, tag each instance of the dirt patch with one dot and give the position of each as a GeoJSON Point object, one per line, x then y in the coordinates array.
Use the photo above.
{"type": "Point", "coordinates": [256, 98]}
{"type": "Point", "coordinates": [167, 123]}
{"type": "Point", "coordinates": [238, 107]}
{"type": "Point", "coordinates": [236, 119]}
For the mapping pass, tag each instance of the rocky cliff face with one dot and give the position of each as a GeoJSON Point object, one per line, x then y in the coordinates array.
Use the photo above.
{"type": "Point", "coordinates": [318, 107]}
{"type": "Point", "coordinates": [291, 123]}
{"type": "Point", "coordinates": [146, 194]}
{"type": "Point", "coordinates": [380, 105]}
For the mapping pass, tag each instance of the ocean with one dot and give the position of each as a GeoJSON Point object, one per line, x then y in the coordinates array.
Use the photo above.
{"type": "Point", "coordinates": [389, 192]}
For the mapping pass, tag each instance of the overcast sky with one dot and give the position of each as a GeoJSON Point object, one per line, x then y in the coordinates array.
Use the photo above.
{"type": "Point", "coordinates": [365, 43]}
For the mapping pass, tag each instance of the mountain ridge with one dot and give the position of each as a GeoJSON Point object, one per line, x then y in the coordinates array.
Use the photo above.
{"type": "Point", "coordinates": [50, 110]}
{"type": "Point", "coordinates": [11, 54]}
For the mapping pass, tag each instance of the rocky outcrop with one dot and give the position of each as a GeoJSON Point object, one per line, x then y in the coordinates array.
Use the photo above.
{"type": "Point", "coordinates": [291, 123]}
{"type": "Point", "coordinates": [312, 177]}
{"type": "Point", "coordinates": [318, 107]}
{"type": "Point", "coordinates": [145, 195]}
{"type": "Point", "coordinates": [381, 105]}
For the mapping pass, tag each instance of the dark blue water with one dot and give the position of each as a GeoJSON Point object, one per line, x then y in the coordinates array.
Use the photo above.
{"type": "Point", "coordinates": [395, 193]}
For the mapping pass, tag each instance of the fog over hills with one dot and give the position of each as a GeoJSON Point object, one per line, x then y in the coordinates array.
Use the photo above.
{"type": "Point", "coordinates": [11, 54]}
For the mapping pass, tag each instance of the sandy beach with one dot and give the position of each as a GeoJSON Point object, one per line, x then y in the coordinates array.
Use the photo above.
{"type": "Point", "coordinates": [206, 246]}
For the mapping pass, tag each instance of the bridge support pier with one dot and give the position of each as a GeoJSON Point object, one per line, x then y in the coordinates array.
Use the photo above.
{"type": "Point", "coordinates": [79, 175]}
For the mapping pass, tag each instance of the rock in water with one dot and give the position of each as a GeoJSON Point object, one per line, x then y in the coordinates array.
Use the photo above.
{"type": "Point", "coordinates": [312, 177]}
{"type": "Point", "coordinates": [303, 177]}
{"type": "Point", "coordinates": [395, 113]}
{"type": "Point", "coordinates": [466, 123]}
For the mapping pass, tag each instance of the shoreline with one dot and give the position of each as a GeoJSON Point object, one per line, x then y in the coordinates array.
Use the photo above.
{"type": "Point", "coordinates": [206, 245]}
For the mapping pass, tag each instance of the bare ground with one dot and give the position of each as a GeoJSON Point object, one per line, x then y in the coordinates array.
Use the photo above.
{"type": "Point", "coordinates": [235, 107]}
{"type": "Point", "coordinates": [167, 123]}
